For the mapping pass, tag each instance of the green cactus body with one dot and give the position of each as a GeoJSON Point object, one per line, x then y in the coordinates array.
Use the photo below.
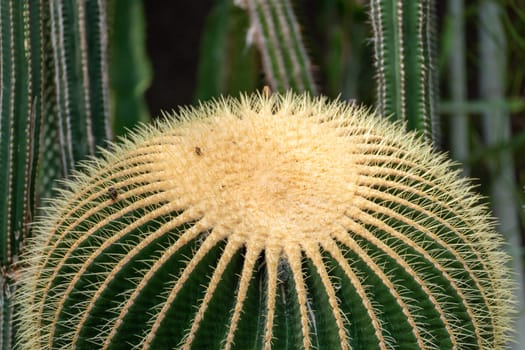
{"type": "Point", "coordinates": [277, 222]}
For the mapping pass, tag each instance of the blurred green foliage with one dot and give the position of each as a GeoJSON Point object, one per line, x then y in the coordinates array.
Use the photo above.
{"type": "Point", "coordinates": [129, 67]}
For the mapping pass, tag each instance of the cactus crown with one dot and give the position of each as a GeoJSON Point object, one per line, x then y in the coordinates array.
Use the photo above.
{"type": "Point", "coordinates": [273, 221]}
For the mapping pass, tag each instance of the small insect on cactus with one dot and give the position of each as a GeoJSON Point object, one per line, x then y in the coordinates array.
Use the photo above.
{"type": "Point", "coordinates": [274, 221]}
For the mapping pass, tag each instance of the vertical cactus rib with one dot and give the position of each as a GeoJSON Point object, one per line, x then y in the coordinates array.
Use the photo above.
{"type": "Point", "coordinates": [85, 82]}
{"type": "Point", "coordinates": [96, 32]}
{"type": "Point", "coordinates": [50, 160]}
{"type": "Point", "coordinates": [70, 74]}
{"type": "Point", "coordinates": [61, 87]}
{"type": "Point", "coordinates": [429, 82]}
{"type": "Point", "coordinates": [273, 222]}
{"type": "Point", "coordinates": [404, 41]}
{"type": "Point", "coordinates": [300, 54]}
{"type": "Point", "coordinates": [294, 258]}
{"type": "Point", "coordinates": [129, 68]}
{"type": "Point", "coordinates": [379, 54]}
{"type": "Point", "coordinates": [35, 37]}
{"type": "Point", "coordinates": [16, 156]}
{"type": "Point", "coordinates": [275, 31]}
{"type": "Point", "coordinates": [319, 265]}
{"type": "Point", "coordinates": [79, 44]}
{"type": "Point", "coordinates": [252, 254]}
{"type": "Point", "coordinates": [15, 126]}
{"type": "Point", "coordinates": [7, 127]}
{"type": "Point", "coordinates": [272, 259]}
{"type": "Point", "coordinates": [262, 31]}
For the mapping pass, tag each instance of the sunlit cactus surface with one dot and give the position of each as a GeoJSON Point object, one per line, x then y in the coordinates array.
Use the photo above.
{"type": "Point", "coordinates": [282, 222]}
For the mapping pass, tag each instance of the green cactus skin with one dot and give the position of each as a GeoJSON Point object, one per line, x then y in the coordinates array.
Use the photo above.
{"type": "Point", "coordinates": [404, 40]}
{"type": "Point", "coordinates": [274, 221]}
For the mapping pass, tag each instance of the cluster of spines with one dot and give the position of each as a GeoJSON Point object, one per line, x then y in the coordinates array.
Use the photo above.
{"type": "Point", "coordinates": [416, 264]}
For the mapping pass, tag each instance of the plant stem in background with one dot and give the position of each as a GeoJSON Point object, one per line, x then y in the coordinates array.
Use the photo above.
{"type": "Point", "coordinates": [459, 129]}
{"type": "Point", "coordinates": [130, 71]}
{"type": "Point", "coordinates": [404, 40]}
{"type": "Point", "coordinates": [496, 130]}
{"type": "Point", "coordinates": [226, 65]}
{"type": "Point", "coordinates": [275, 31]}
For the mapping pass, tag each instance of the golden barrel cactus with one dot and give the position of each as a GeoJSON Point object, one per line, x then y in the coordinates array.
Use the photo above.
{"type": "Point", "coordinates": [283, 222]}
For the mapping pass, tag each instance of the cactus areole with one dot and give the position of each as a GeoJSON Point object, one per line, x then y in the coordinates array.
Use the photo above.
{"type": "Point", "coordinates": [282, 222]}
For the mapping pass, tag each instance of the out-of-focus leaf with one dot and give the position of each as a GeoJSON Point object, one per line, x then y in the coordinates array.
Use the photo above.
{"type": "Point", "coordinates": [130, 70]}
{"type": "Point", "coordinates": [226, 64]}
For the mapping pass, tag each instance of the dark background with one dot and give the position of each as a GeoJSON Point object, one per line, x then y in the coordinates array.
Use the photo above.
{"type": "Point", "coordinates": [173, 31]}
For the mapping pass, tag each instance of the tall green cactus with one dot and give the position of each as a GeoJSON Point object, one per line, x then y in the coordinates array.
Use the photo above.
{"type": "Point", "coordinates": [404, 41]}
{"type": "Point", "coordinates": [54, 112]}
{"type": "Point", "coordinates": [16, 157]}
{"type": "Point", "coordinates": [270, 222]}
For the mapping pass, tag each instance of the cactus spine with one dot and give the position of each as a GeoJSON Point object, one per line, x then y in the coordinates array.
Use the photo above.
{"type": "Point", "coordinates": [406, 81]}
{"type": "Point", "coordinates": [270, 222]}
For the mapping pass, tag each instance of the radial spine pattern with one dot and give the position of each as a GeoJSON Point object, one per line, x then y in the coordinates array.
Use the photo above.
{"type": "Point", "coordinates": [278, 222]}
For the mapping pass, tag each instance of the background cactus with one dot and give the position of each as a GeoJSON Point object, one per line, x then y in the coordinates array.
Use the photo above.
{"type": "Point", "coordinates": [275, 31]}
{"type": "Point", "coordinates": [283, 222]}
{"type": "Point", "coordinates": [404, 41]}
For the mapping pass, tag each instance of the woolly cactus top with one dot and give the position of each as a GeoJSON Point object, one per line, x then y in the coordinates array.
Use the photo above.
{"type": "Point", "coordinates": [280, 221]}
